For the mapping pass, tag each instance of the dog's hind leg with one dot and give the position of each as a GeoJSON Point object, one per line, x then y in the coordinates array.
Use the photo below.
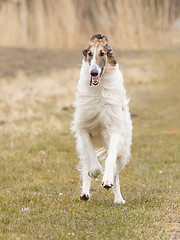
{"type": "Point", "coordinates": [121, 161]}
{"type": "Point", "coordinates": [95, 168]}
{"type": "Point", "coordinates": [117, 192]}
{"type": "Point", "coordinates": [89, 165]}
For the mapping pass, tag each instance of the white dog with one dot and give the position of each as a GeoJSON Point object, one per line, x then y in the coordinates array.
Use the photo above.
{"type": "Point", "coordinates": [102, 117]}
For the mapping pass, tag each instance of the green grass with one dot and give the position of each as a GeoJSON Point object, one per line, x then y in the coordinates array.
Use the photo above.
{"type": "Point", "coordinates": [40, 186]}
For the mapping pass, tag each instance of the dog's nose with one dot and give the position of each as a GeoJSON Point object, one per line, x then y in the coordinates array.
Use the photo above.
{"type": "Point", "coordinates": [94, 73]}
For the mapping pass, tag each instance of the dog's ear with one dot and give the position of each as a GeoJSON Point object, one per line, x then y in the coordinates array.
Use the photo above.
{"type": "Point", "coordinates": [109, 50]}
{"type": "Point", "coordinates": [110, 55]}
{"type": "Point", "coordinates": [85, 51]}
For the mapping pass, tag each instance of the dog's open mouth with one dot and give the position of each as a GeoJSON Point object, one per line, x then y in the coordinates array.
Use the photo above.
{"type": "Point", "coordinates": [95, 80]}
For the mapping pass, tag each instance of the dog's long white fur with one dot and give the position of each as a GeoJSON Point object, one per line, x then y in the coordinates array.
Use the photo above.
{"type": "Point", "coordinates": [102, 119]}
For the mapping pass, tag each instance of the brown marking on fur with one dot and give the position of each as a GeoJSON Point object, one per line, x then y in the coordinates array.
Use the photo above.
{"type": "Point", "coordinates": [101, 44]}
{"type": "Point", "coordinates": [110, 55]}
{"type": "Point", "coordinates": [98, 38]}
{"type": "Point", "coordinates": [85, 51]}
{"type": "Point", "coordinates": [94, 40]}
{"type": "Point", "coordinates": [104, 41]}
{"type": "Point", "coordinates": [112, 61]}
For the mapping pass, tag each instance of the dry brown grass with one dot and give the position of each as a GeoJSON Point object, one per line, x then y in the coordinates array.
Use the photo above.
{"type": "Point", "coordinates": [25, 89]}
{"type": "Point", "coordinates": [130, 24]}
{"type": "Point", "coordinates": [23, 98]}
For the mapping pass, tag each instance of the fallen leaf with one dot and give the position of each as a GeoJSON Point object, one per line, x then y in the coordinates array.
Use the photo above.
{"type": "Point", "coordinates": [173, 133]}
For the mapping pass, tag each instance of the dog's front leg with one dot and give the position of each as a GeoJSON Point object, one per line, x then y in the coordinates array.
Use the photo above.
{"type": "Point", "coordinates": [89, 165]}
{"type": "Point", "coordinates": [110, 163]}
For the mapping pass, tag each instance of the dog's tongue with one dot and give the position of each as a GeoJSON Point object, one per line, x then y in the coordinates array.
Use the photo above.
{"type": "Point", "coordinates": [95, 80]}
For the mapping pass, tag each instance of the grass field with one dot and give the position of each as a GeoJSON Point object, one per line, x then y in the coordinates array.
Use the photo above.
{"type": "Point", "coordinates": [40, 186]}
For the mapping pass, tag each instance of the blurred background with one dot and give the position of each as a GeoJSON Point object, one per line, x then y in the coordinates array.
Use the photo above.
{"type": "Point", "coordinates": [68, 24]}
{"type": "Point", "coordinates": [41, 42]}
{"type": "Point", "coordinates": [41, 45]}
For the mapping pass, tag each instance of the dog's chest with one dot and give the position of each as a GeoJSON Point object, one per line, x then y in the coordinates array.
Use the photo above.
{"type": "Point", "coordinates": [99, 111]}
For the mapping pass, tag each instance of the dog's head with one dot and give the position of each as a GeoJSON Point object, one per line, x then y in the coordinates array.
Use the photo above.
{"type": "Point", "coordinates": [98, 54]}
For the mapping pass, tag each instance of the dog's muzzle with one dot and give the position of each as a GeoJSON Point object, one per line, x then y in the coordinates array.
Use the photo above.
{"type": "Point", "coordinates": [95, 77]}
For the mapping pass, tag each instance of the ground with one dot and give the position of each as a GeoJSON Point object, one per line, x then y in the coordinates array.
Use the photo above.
{"type": "Point", "coordinates": [40, 185]}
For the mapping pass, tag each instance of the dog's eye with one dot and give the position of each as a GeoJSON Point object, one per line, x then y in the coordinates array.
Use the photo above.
{"type": "Point", "coordinates": [101, 53]}
{"type": "Point", "coordinates": [90, 54]}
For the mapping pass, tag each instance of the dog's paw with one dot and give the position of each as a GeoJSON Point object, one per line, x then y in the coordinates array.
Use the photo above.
{"type": "Point", "coordinates": [84, 197]}
{"type": "Point", "coordinates": [94, 173]}
{"type": "Point", "coordinates": [107, 181]}
{"type": "Point", "coordinates": [107, 184]}
{"type": "Point", "coordinates": [119, 201]}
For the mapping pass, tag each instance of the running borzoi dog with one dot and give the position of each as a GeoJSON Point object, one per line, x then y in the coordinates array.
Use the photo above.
{"type": "Point", "coordinates": [101, 119]}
